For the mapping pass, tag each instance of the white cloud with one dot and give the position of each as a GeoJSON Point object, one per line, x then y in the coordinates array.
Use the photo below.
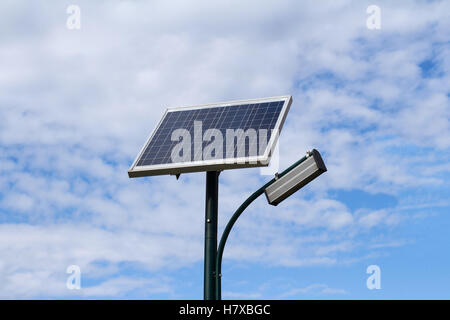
{"type": "Point", "coordinates": [35, 259]}
{"type": "Point", "coordinates": [313, 289]}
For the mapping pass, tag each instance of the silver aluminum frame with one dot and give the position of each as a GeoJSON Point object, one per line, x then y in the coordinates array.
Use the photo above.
{"type": "Point", "coordinates": [213, 165]}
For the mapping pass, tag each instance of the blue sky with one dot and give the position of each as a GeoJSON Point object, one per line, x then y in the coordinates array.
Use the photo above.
{"type": "Point", "coordinates": [77, 105]}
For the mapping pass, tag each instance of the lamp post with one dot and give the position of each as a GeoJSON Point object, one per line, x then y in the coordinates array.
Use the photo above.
{"type": "Point", "coordinates": [279, 188]}
{"type": "Point", "coordinates": [212, 188]}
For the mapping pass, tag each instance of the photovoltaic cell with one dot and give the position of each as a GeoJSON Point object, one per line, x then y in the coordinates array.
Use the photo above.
{"type": "Point", "coordinates": [256, 115]}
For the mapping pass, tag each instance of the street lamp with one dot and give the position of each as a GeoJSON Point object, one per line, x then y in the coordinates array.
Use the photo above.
{"type": "Point", "coordinates": [171, 149]}
{"type": "Point", "coordinates": [279, 188]}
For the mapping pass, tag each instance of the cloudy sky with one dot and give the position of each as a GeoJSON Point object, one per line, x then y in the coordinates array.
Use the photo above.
{"type": "Point", "coordinates": [76, 105]}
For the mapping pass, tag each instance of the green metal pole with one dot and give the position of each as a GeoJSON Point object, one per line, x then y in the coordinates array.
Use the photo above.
{"type": "Point", "coordinates": [211, 203]}
{"type": "Point", "coordinates": [232, 221]}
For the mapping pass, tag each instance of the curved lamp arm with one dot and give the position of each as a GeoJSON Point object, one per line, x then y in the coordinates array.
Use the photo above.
{"type": "Point", "coordinates": [232, 221]}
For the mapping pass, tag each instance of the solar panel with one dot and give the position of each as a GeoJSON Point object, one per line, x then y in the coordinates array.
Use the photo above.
{"type": "Point", "coordinates": [217, 136]}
